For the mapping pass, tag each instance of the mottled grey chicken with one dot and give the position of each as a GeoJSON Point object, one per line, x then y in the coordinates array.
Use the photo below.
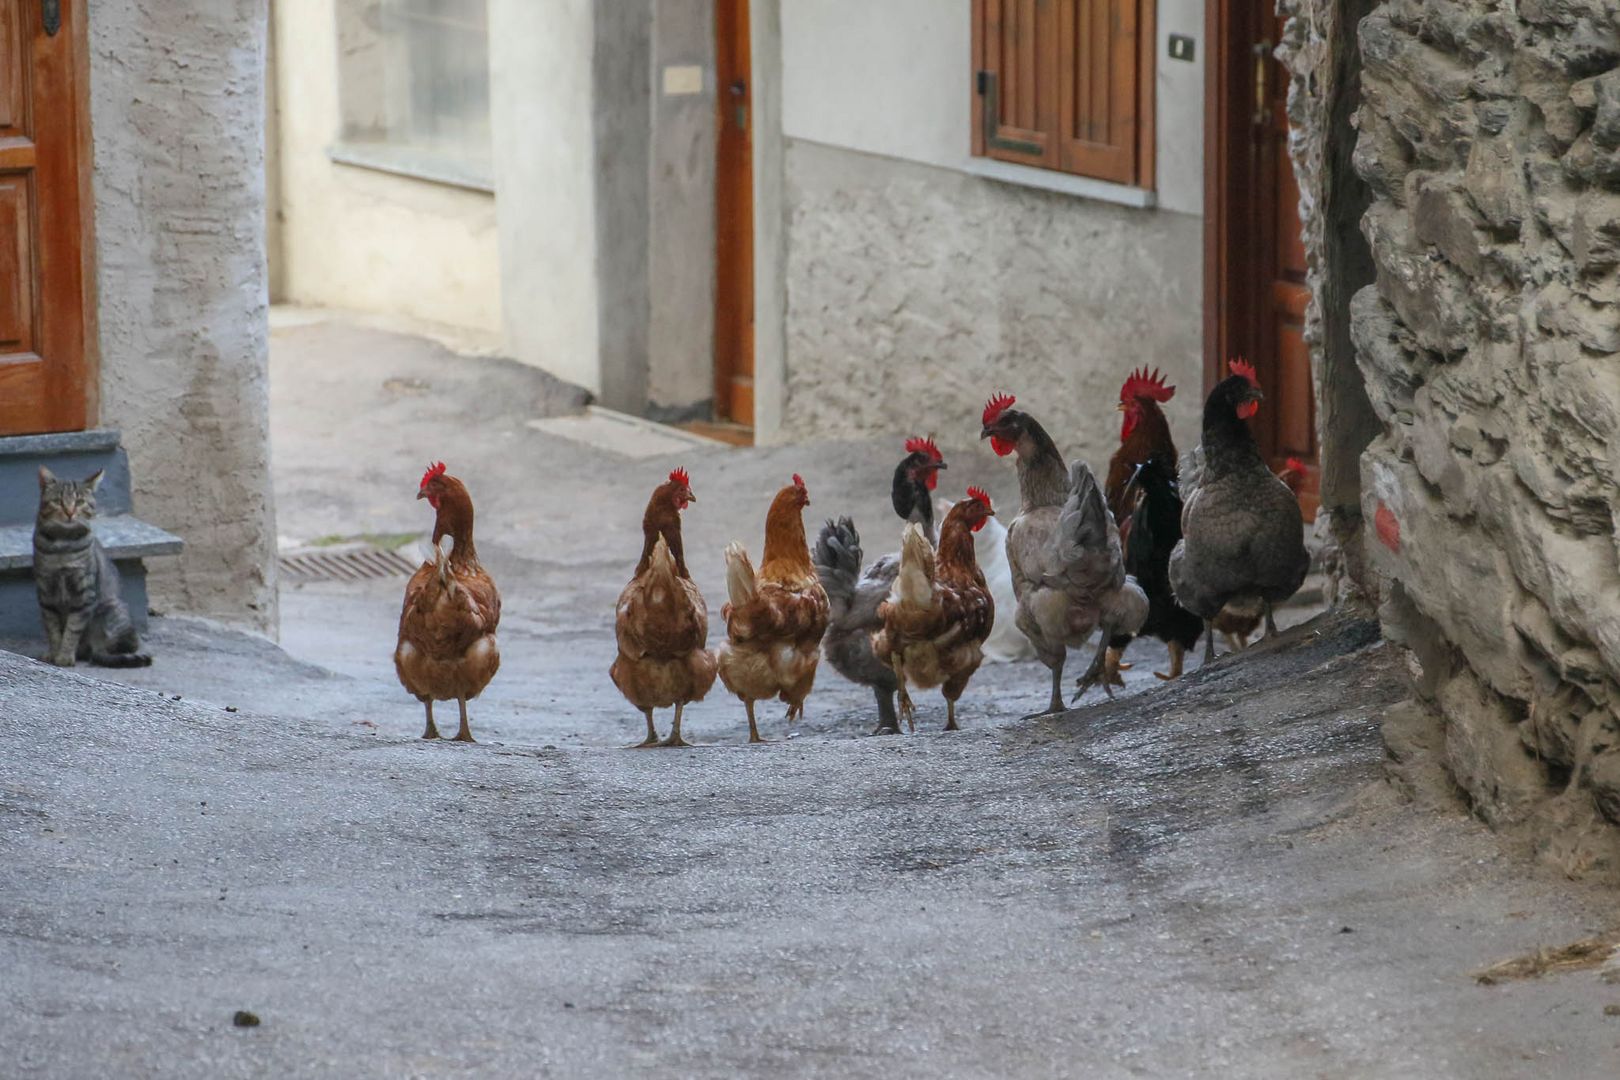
{"type": "Point", "coordinates": [1063, 547]}
{"type": "Point", "coordinates": [1243, 537]}
{"type": "Point", "coordinates": [854, 596]}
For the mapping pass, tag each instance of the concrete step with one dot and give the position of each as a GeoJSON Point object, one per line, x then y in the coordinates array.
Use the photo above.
{"type": "Point", "coordinates": [128, 539]}
{"type": "Point", "coordinates": [72, 455]}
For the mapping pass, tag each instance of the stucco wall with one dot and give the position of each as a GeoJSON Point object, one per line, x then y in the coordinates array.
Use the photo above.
{"type": "Point", "coordinates": [915, 292]}
{"type": "Point", "coordinates": [177, 117]}
{"type": "Point", "coordinates": [358, 238]}
{"type": "Point", "coordinates": [914, 288]}
{"type": "Point", "coordinates": [1490, 136]}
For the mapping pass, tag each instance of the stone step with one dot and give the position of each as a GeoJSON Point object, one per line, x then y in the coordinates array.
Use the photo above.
{"type": "Point", "coordinates": [124, 536]}
{"type": "Point", "coordinates": [128, 539]}
{"type": "Point", "coordinates": [72, 455]}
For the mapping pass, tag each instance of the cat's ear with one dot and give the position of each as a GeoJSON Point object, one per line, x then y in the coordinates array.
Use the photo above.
{"type": "Point", "coordinates": [46, 477]}
{"type": "Point", "coordinates": [94, 479]}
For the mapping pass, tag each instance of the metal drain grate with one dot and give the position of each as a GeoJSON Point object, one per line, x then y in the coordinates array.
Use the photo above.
{"type": "Point", "coordinates": [355, 564]}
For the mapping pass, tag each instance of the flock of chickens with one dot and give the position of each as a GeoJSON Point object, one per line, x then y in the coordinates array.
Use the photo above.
{"type": "Point", "coordinates": [1169, 547]}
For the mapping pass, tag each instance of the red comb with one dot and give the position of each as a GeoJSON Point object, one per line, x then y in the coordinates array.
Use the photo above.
{"type": "Point", "coordinates": [1242, 367]}
{"type": "Point", "coordinates": [435, 469]}
{"type": "Point", "coordinates": [1295, 464]}
{"type": "Point", "coordinates": [1143, 383]}
{"type": "Point", "coordinates": [996, 406]}
{"type": "Point", "coordinates": [679, 476]}
{"type": "Point", "coordinates": [918, 443]}
{"type": "Point", "coordinates": [797, 482]}
{"type": "Point", "coordinates": [980, 494]}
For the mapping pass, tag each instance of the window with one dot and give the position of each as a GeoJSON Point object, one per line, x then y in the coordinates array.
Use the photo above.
{"type": "Point", "coordinates": [413, 88]}
{"type": "Point", "coordinates": [1066, 85]}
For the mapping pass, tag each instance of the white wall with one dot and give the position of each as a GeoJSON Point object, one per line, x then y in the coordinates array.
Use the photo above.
{"type": "Point", "coordinates": [895, 79]}
{"type": "Point", "coordinates": [542, 98]}
{"type": "Point", "coordinates": [356, 238]}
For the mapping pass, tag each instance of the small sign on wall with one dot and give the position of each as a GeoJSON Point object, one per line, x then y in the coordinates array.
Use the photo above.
{"type": "Point", "coordinates": [683, 79]}
{"type": "Point", "coordinates": [1181, 47]}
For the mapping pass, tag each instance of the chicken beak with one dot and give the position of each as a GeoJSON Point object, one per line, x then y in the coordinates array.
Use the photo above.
{"type": "Point", "coordinates": [691, 498]}
{"type": "Point", "coordinates": [1120, 407]}
{"type": "Point", "coordinates": [422, 493]}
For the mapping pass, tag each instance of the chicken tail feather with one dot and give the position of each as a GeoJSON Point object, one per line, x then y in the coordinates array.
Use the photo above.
{"type": "Point", "coordinates": [914, 587]}
{"type": "Point", "coordinates": [1083, 521]}
{"type": "Point", "coordinates": [837, 558]}
{"type": "Point", "coordinates": [740, 584]}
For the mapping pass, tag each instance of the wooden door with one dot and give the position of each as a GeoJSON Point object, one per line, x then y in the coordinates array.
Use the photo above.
{"type": "Point", "coordinates": [734, 217]}
{"type": "Point", "coordinates": [1254, 286]}
{"type": "Point", "coordinates": [45, 377]}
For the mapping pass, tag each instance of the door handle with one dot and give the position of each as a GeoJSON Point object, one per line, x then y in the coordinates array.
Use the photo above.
{"type": "Point", "coordinates": [51, 16]}
{"type": "Point", "coordinates": [1262, 80]}
{"type": "Point", "coordinates": [739, 92]}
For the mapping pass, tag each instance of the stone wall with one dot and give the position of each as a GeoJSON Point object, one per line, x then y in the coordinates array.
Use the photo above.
{"type": "Point", "coordinates": [914, 292]}
{"type": "Point", "coordinates": [1490, 138]}
{"type": "Point", "coordinates": [177, 120]}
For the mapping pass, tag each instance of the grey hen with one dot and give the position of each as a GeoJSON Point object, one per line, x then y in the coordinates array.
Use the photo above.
{"type": "Point", "coordinates": [854, 596]}
{"type": "Point", "coordinates": [1243, 537]}
{"type": "Point", "coordinates": [1067, 569]}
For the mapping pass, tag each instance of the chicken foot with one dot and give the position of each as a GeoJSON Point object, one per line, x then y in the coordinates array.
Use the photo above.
{"type": "Point", "coordinates": [1178, 656]}
{"type": "Point", "coordinates": [950, 715]}
{"type": "Point", "coordinates": [652, 732]}
{"type": "Point", "coordinates": [1096, 673]}
{"type": "Point", "coordinates": [753, 728]}
{"type": "Point", "coordinates": [432, 731]}
{"type": "Point", "coordinates": [674, 738]}
{"type": "Point", "coordinates": [465, 734]}
{"type": "Point", "coordinates": [908, 711]}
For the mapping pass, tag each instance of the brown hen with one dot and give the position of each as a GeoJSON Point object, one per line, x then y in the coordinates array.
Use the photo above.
{"type": "Point", "coordinates": [940, 610]}
{"type": "Point", "coordinates": [662, 624]}
{"type": "Point", "coordinates": [447, 649]}
{"type": "Point", "coordinates": [775, 618]}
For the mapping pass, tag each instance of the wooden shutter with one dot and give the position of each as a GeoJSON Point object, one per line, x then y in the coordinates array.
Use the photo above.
{"type": "Point", "coordinates": [1067, 85]}
{"type": "Point", "coordinates": [1017, 108]}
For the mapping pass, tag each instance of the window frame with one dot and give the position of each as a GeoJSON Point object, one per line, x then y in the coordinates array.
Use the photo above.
{"type": "Point", "coordinates": [1048, 149]}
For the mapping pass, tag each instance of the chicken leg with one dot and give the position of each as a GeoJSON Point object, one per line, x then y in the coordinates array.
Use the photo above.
{"type": "Point", "coordinates": [753, 728]}
{"type": "Point", "coordinates": [652, 732]}
{"type": "Point", "coordinates": [1178, 656]}
{"type": "Point", "coordinates": [888, 723]}
{"type": "Point", "coordinates": [908, 711]}
{"type": "Point", "coordinates": [950, 715]}
{"type": "Point", "coordinates": [432, 731]}
{"type": "Point", "coordinates": [1209, 641]}
{"type": "Point", "coordinates": [465, 734]}
{"type": "Point", "coordinates": [1056, 704]}
{"type": "Point", "coordinates": [675, 732]}
{"type": "Point", "coordinates": [1271, 623]}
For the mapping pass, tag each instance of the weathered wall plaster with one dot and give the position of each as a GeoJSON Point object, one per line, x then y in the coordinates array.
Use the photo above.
{"type": "Point", "coordinates": [177, 116]}
{"type": "Point", "coordinates": [915, 292]}
{"type": "Point", "coordinates": [1490, 137]}
{"type": "Point", "coordinates": [357, 238]}
{"type": "Point", "coordinates": [913, 288]}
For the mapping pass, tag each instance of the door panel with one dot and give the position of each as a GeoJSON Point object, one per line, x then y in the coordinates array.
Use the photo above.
{"type": "Point", "coordinates": [43, 363]}
{"type": "Point", "coordinates": [734, 217]}
{"type": "Point", "coordinates": [1255, 292]}
{"type": "Point", "coordinates": [16, 268]}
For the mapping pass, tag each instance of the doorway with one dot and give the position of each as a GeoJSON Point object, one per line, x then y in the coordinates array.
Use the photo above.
{"type": "Point", "coordinates": [734, 218]}
{"type": "Point", "coordinates": [46, 378]}
{"type": "Point", "coordinates": [1254, 254]}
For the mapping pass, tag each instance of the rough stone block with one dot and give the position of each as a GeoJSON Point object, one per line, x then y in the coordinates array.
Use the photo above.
{"type": "Point", "coordinates": [1485, 754]}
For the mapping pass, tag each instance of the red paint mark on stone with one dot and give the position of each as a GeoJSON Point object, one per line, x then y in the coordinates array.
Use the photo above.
{"type": "Point", "coordinates": [1389, 529]}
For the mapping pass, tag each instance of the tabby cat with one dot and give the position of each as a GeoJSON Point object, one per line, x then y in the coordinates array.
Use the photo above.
{"type": "Point", "coordinates": [79, 598]}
